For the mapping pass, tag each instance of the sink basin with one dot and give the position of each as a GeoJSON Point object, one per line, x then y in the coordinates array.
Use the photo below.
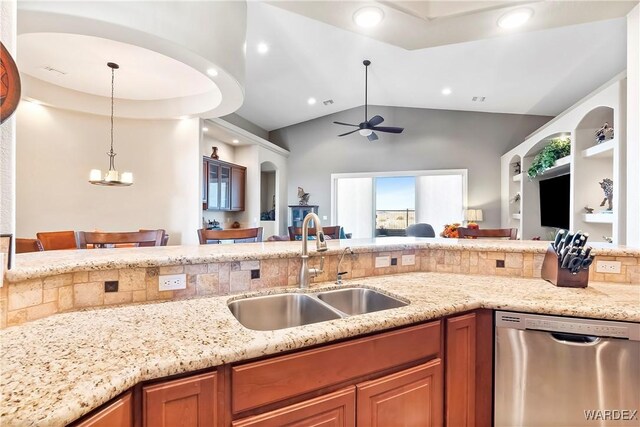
{"type": "Point", "coordinates": [271, 312]}
{"type": "Point", "coordinates": [359, 300]}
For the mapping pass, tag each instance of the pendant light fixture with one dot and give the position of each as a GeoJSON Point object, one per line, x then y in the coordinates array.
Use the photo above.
{"type": "Point", "coordinates": [112, 177]}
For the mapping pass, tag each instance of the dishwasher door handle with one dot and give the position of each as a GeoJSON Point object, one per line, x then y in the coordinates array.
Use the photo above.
{"type": "Point", "coordinates": [574, 339]}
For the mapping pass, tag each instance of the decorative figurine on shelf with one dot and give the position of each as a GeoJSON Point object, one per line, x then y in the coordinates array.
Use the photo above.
{"type": "Point", "coordinates": [603, 134]}
{"type": "Point", "coordinates": [608, 239]}
{"type": "Point", "coordinates": [214, 155]}
{"type": "Point", "coordinates": [607, 187]}
{"type": "Point", "coordinates": [588, 210]}
{"type": "Point", "coordinates": [517, 168]}
{"type": "Point", "coordinates": [516, 198]}
{"type": "Point", "coordinates": [304, 197]}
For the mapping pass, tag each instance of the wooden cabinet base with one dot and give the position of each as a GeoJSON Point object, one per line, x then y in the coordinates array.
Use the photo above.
{"type": "Point", "coordinates": [410, 398]}
{"type": "Point", "coordinates": [333, 409]}
{"type": "Point", "coordinates": [119, 413]}
{"type": "Point", "coordinates": [184, 402]}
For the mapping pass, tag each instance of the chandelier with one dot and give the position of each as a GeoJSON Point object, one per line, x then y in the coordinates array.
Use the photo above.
{"type": "Point", "coordinates": [112, 177]}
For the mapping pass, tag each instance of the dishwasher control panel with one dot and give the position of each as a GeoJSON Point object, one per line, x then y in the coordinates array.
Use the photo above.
{"type": "Point", "coordinates": [599, 328]}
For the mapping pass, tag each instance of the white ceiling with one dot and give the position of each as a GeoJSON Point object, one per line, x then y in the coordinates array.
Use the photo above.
{"type": "Point", "coordinates": [538, 72]}
{"type": "Point", "coordinates": [143, 73]}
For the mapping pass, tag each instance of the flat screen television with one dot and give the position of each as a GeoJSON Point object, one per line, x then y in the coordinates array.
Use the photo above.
{"type": "Point", "coordinates": [554, 202]}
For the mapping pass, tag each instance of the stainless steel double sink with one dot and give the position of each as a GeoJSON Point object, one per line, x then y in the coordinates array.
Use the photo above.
{"type": "Point", "coordinates": [280, 311]}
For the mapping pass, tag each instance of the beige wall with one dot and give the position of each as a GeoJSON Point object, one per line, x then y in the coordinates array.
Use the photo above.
{"type": "Point", "coordinates": [57, 148]}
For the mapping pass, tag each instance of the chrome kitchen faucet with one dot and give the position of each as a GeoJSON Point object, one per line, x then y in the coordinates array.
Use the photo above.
{"type": "Point", "coordinates": [321, 246]}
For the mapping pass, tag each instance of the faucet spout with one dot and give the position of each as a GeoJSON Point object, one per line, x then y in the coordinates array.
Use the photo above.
{"type": "Point", "coordinates": [321, 246]}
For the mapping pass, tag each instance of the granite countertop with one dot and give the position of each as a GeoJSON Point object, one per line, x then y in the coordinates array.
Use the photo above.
{"type": "Point", "coordinates": [56, 369]}
{"type": "Point", "coordinates": [48, 263]}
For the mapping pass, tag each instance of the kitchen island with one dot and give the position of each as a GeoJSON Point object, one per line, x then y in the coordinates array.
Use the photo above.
{"type": "Point", "coordinates": [61, 367]}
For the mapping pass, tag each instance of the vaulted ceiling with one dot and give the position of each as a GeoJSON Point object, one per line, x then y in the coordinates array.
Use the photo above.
{"type": "Point", "coordinates": [540, 69]}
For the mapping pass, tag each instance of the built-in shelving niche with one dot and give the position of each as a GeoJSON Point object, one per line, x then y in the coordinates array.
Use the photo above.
{"type": "Point", "coordinates": [593, 165]}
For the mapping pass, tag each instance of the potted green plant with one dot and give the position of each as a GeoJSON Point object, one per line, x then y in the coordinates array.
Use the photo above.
{"type": "Point", "coordinates": [545, 159]}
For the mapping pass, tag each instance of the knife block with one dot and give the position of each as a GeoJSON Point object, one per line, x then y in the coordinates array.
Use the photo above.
{"type": "Point", "coordinates": [562, 277]}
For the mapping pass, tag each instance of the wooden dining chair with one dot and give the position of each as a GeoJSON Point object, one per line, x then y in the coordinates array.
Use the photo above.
{"type": "Point", "coordinates": [508, 233]}
{"type": "Point", "coordinates": [331, 231]}
{"type": "Point", "coordinates": [28, 245]}
{"type": "Point", "coordinates": [136, 238]}
{"type": "Point", "coordinates": [56, 240]}
{"type": "Point", "coordinates": [165, 238]}
{"type": "Point", "coordinates": [237, 235]}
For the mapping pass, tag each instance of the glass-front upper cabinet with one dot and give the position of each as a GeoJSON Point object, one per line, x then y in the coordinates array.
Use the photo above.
{"type": "Point", "coordinates": [223, 185]}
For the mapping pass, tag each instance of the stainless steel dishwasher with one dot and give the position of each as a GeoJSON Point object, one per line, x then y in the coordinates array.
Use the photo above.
{"type": "Point", "coordinates": [563, 371]}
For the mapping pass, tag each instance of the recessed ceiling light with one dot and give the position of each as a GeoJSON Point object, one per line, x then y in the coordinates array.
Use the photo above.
{"type": "Point", "coordinates": [515, 18]}
{"type": "Point", "coordinates": [263, 48]}
{"type": "Point", "coordinates": [368, 17]}
{"type": "Point", "coordinates": [212, 72]}
{"type": "Point", "coordinates": [235, 141]}
{"type": "Point", "coordinates": [311, 101]}
{"type": "Point", "coordinates": [205, 129]}
{"type": "Point", "coordinates": [446, 91]}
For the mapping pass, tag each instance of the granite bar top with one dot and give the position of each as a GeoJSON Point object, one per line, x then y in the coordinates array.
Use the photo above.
{"type": "Point", "coordinates": [41, 264]}
{"type": "Point", "coordinates": [56, 369]}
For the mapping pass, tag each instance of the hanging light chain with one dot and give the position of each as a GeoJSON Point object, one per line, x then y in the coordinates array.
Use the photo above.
{"type": "Point", "coordinates": [111, 154]}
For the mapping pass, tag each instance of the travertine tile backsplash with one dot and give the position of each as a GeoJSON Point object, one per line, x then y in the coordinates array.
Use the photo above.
{"type": "Point", "coordinates": [32, 299]}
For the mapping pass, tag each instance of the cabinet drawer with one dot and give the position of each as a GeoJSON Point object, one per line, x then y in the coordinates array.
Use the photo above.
{"type": "Point", "coordinates": [334, 409]}
{"type": "Point", "coordinates": [268, 381]}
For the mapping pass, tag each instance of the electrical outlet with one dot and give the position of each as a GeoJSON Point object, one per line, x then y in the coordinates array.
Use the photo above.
{"type": "Point", "coordinates": [324, 217]}
{"type": "Point", "coordinates": [383, 261]}
{"type": "Point", "coordinates": [608, 267]}
{"type": "Point", "coordinates": [111, 286]}
{"type": "Point", "coordinates": [408, 259]}
{"type": "Point", "coordinates": [173, 282]}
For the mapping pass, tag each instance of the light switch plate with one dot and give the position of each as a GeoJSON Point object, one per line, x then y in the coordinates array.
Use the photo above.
{"type": "Point", "coordinates": [383, 261]}
{"type": "Point", "coordinates": [408, 259]}
{"type": "Point", "coordinates": [608, 267]}
{"type": "Point", "coordinates": [172, 282]}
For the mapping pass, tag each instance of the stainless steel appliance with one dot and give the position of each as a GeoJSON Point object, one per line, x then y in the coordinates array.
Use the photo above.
{"type": "Point", "coordinates": [563, 371]}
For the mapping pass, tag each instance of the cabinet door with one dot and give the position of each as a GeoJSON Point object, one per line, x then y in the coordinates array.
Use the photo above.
{"type": "Point", "coordinates": [185, 402]}
{"type": "Point", "coordinates": [213, 189]}
{"type": "Point", "coordinates": [461, 371]}
{"type": "Point", "coordinates": [117, 414]}
{"type": "Point", "coordinates": [205, 182]}
{"type": "Point", "coordinates": [410, 398]}
{"type": "Point", "coordinates": [336, 409]}
{"type": "Point", "coordinates": [225, 188]}
{"type": "Point", "coordinates": [237, 188]}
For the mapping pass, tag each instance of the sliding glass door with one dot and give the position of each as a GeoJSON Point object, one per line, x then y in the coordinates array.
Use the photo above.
{"type": "Point", "coordinates": [385, 204]}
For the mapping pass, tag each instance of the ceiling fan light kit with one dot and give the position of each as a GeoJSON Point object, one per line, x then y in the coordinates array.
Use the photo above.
{"type": "Point", "coordinates": [368, 127]}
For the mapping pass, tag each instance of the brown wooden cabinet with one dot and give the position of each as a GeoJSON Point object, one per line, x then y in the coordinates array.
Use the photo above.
{"type": "Point", "coordinates": [223, 185]}
{"type": "Point", "coordinates": [461, 368]}
{"type": "Point", "coordinates": [118, 413]}
{"type": "Point", "coordinates": [336, 409]}
{"type": "Point", "coordinates": [469, 369]}
{"type": "Point", "coordinates": [403, 377]}
{"type": "Point", "coordinates": [185, 402]}
{"type": "Point", "coordinates": [410, 398]}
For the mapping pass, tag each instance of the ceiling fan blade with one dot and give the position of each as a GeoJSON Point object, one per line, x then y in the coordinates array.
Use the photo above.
{"type": "Point", "coordinates": [375, 121]}
{"type": "Point", "coordinates": [349, 133]}
{"type": "Point", "coordinates": [372, 137]}
{"type": "Point", "coordinates": [345, 124]}
{"type": "Point", "coordinates": [388, 129]}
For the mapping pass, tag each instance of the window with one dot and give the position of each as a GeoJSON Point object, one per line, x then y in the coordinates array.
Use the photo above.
{"type": "Point", "coordinates": [386, 203]}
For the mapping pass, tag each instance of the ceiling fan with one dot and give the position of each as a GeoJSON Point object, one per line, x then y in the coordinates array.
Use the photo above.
{"type": "Point", "coordinates": [368, 127]}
